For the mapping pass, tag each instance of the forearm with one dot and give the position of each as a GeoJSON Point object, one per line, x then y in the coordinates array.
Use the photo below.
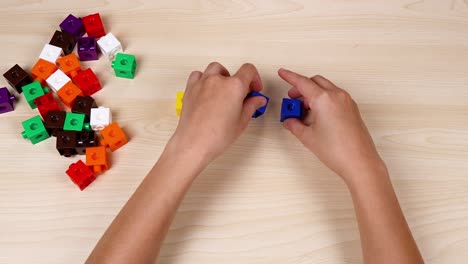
{"type": "Point", "coordinates": [385, 235]}
{"type": "Point", "coordinates": [137, 233]}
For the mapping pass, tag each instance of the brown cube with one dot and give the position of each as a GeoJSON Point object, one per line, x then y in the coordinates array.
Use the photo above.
{"type": "Point", "coordinates": [17, 78]}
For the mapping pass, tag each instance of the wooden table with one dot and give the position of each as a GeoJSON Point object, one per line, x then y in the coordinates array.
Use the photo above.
{"type": "Point", "coordinates": [267, 200]}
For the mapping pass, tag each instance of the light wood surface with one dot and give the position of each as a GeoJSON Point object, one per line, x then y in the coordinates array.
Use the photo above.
{"type": "Point", "coordinates": [267, 200]}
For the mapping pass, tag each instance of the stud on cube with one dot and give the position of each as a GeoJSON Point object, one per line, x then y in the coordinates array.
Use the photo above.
{"type": "Point", "coordinates": [46, 103]}
{"type": "Point", "coordinates": [291, 108]}
{"type": "Point", "coordinates": [63, 40]}
{"type": "Point", "coordinates": [96, 158]}
{"type": "Point", "coordinates": [87, 82]}
{"type": "Point", "coordinates": [93, 25]}
{"type": "Point", "coordinates": [54, 121]}
{"type": "Point", "coordinates": [86, 139]}
{"type": "Point", "coordinates": [6, 100]}
{"type": "Point", "coordinates": [83, 105]}
{"type": "Point", "coordinates": [110, 46]}
{"type": "Point", "coordinates": [70, 65]}
{"type": "Point", "coordinates": [100, 118]}
{"type": "Point", "coordinates": [69, 93]}
{"type": "Point", "coordinates": [124, 65]}
{"type": "Point", "coordinates": [34, 130]}
{"type": "Point", "coordinates": [73, 26]}
{"type": "Point", "coordinates": [179, 102]}
{"type": "Point", "coordinates": [42, 70]}
{"type": "Point", "coordinates": [75, 122]}
{"type": "Point", "coordinates": [50, 53]}
{"type": "Point", "coordinates": [87, 49]}
{"type": "Point", "coordinates": [260, 111]}
{"type": "Point", "coordinates": [113, 137]}
{"type": "Point", "coordinates": [17, 78]}
{"type": "Point", "coordinates": [80, 174]}
{"type": "Point", "coordinates": [57, 80]}
{"type": "Point", "coordinates": [32, 91]}
{"type": "Point", "coordinates": [66, 143]}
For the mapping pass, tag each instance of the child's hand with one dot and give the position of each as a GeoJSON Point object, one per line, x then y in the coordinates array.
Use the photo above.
{"type": "Point", "coordinates": [332, 127]}
{"type": "Point", "coordinates": [215, 111]}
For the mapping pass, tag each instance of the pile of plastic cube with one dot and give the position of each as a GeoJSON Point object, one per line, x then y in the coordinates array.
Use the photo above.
{"type": "Point", "coordinates": [57, 81]}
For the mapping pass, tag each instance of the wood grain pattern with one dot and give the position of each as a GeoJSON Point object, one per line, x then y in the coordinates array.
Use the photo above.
{"type": "Point", "coordinates": [267, 200]}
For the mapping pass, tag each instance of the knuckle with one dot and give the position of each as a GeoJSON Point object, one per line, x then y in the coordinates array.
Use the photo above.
{"type": "Point", "coordinates": [214, 64]}
{"type": "Point", "coordinates": [236, 81]}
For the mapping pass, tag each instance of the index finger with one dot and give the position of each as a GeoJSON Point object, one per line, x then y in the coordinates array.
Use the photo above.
{"type": "Point", "coordinates": [250, 78]}
{"type": "Point", "coordinates": [305, 86]}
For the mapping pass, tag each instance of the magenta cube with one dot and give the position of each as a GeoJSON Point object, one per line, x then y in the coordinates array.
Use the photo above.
{"type": "Point", "coordinates": [6, 100]}
{"type": "Point", "coordinates": [73, 25]}
{"type": "Point", "coordinates": [87, 49]}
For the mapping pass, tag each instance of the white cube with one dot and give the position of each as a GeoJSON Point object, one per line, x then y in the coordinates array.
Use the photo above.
{"type": "Point", "coordinates": [57, 80]}
{"type": "Point", "coordinates": [100, 118]}
{"type": "Point", "coordinates": [50, 53]}
{"type": "Point", "coordinates": [110, 46]}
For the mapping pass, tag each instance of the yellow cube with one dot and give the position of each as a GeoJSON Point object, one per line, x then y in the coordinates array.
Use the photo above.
{"type": "Point", "coordinates": [179, 102]}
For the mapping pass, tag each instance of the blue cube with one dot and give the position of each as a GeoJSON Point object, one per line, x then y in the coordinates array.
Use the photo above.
{"type": "Point", "coordinates": [291, 108]}
{"type": "Point", "coordinates": [260, 111]}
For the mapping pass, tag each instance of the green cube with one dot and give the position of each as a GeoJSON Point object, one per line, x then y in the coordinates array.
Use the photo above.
{"type": "Point", "coordinates": [34, 130]}
{"type": "Point", "coordinates": [33, 91]}
{"type": "Point", "coordinates": [75, 122]}
{"type": "Point", "coordinates": [124, 65]}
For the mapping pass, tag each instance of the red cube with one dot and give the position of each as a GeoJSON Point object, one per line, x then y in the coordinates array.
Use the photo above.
{"type": "Point", "coordinates": [46, 103]}
{"type": "Point", "coordinates": [81, 174]}
{"type": "Point", "coordinates": [87, 82]}
{"type": "Point", "coordinates": [93, 25]}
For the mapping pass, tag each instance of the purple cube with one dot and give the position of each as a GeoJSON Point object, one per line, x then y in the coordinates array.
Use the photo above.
{"type": "Point", "coordinates": [73, 25]}
{"type": "Point", "coordinates": [87, 49]}
{"type": "Point", "coordinates": [6, 100]}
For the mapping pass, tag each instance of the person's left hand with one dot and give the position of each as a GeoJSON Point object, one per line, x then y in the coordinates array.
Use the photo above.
{"type": "Point", "coordinates": [215, 109]}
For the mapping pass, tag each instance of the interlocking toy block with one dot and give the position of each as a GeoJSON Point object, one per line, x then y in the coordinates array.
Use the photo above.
{"type": "Point", "coordinates": [68, 94]}
{"type": "Point", "coordinates": [113, 137]}
{"type": "Point", "coordinates": [32, 91]}
{"type": "Point", "coordinates": [291, 108]}
{"type": "Point", "coordinates": [17, 78]}
{"type": "Point", "coordinates": [46, 103]}
{"type": "Point", "coordinates": [96, 158]}
{"type": "Point", "coordinates": [75, 122]}
{"type": "Point", "coordinates": [93, 25]}
{"type": "Point", "coordinates": [57, 80]}
{"type": "Point", "coordinates": [83, 105]}
{"type": "Point", "coordinates": [80, 174]}
{"type": "Point", "coordinates": [260, 111]}
{"type": "Point", "coordinates": [100, 118]}
{"type": "Point", "coordinates": [66, 143]}
{"type": "Point", "coordinates": [34, 130]}
{"type": "Point", "coordinates": [53, 121]}
{"type": "Point", "coordinates": [110, 46]}
{"type": "Point", "coordinates": [63, 40]}
{"type": "Point", "coordinates": [42, 70]}
{"type": "Point", "coordinates": [73, 26]}
{"type": "Point", "coordinates": [6, 100]}
{"type": "Point", "coordinates": [88, 82]}
{"type": "Point", "coordinates": [70, 65]}
{"type": "Point", "coordinates": [179, 102]}
{"type": "Point", "coordinates": [124, 65]}
{"type": "Point", "coordinates": [87, 49]}
{"type": "Point", "coordinates": [86, 139]}
{"type": "Point", "coordinates": [50, 53]}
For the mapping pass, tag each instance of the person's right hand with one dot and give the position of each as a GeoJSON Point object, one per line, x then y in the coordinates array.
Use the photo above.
{"type": "Point", "coordinates": [332, 127]}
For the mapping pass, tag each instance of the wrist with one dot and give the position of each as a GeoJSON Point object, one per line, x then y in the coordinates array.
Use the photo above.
{"type": "Point", "coordinates": [187, 154]}
{"type": "Point", "coordinates": [368, 175]}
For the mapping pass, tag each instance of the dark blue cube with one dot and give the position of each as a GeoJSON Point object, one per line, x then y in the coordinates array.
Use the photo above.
{"type": "Point", "coordinates": [260, 111]}
{"type": "Point", "coordinates": [73, 26]}
{"type": "Point", "coordinates": [291, 108]}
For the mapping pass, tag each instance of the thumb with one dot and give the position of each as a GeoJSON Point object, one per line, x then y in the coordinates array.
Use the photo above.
{"type": "Point", "coordinates": [251, 105]}
{"type": "Point", "coordinates": [296, 127]}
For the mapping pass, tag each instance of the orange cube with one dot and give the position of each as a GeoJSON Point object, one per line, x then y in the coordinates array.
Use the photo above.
{"type": "Point", "coordinates": [42, 70]}
{"type": "Point", "coordinates": [113, 136]}
{"type": "Point", "coordinates": [96, 158]}
{"type": "Point", "coordinates": [68, 93]}
{"type": "Point", "coordinates": [69, 64]}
